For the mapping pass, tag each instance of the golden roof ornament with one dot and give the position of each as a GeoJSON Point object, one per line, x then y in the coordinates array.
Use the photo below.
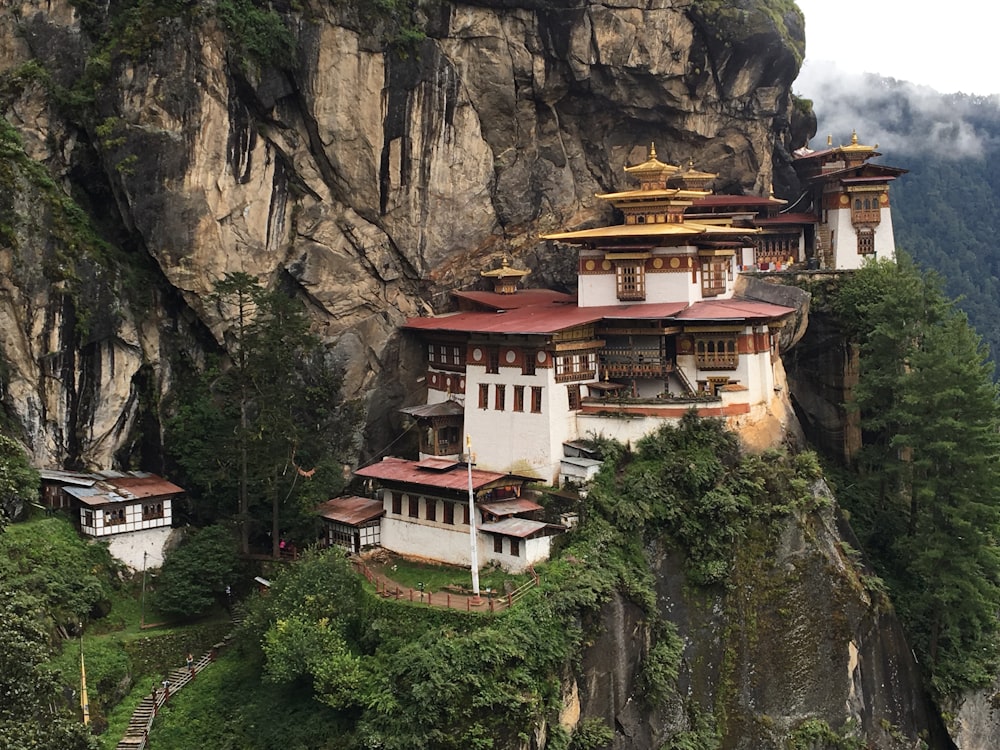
{"type": "Point", "coordinates": [505, 278]}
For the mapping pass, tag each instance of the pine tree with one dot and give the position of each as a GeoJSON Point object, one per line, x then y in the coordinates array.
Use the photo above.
{"type": "Point", "coordinates": [931, 508]}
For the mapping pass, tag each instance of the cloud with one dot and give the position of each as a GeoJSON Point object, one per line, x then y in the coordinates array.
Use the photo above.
{"type": "Point", "coordinates": [901, 117]}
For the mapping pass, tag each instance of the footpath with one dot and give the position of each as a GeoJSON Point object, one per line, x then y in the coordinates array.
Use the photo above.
{"type": "Point", "coordinates": [137, 735]}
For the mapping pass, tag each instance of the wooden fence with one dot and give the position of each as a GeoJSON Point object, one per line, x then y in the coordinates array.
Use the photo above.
{"type": "Point", "coordinates": [490, 602]}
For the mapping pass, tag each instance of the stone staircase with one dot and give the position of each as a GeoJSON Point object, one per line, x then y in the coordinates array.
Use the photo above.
{"type": "Point", "coordinates": [137, 734]}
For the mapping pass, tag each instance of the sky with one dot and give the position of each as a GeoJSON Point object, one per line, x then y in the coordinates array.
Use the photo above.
{"type": "Point", "coordinates": [949, 46]}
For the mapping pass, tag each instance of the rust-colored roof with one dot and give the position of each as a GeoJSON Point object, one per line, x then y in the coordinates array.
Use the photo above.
{"type": "Point", "coordinates": [521, 298]}
{"type": "Point", "coordinates": [402, 471]}
{"type": "Point", "coordinates": [144, 486]}
{"type": "Point", "coordinates": [511, 507]}
{"type": "Point", "coordinates": [116, 487]}
{"type": "Point", "coordinates": [351, 510]}
{"type": "Point", "coordinates": [736, 308]}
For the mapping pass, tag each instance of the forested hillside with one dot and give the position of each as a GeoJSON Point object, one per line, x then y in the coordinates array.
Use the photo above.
{"type": "Point", "coordinates": [946, 211]}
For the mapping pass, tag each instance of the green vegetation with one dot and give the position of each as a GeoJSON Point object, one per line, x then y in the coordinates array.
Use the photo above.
{"type": "Point", "coordinates": [262, 440]}
{"type": "Point", "coordinates": [395, 675]}
{"type": "Point", "coordinates": [194, 576]}
{"type": "Point", "coordinates": [259, 35]}
{"type": "Point", "coordinates": [18, 480]}
{"type": "Point", "coordinates": [925, 499]}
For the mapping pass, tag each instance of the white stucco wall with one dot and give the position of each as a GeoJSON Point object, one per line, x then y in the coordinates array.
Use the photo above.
{"type": "Point", "coordinates": [845, 238]}
{"type": "Point", "coordinates": [129, 547]}
{"type": "Point", "coordinates": [523, 442]}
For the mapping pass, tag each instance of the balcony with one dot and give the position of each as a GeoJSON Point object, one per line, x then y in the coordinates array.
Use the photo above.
{"type": "Point", "coordinates": [635, 363]}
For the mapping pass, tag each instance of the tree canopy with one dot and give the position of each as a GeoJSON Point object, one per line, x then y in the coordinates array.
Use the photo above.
{"type": "Point", "coordinates": [926, 500]}
{"type": "Point", "coordinates": [261, 433]}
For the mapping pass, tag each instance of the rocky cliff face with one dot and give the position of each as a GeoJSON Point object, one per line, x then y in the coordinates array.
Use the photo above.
{"type": "Point", "coordinates": [370, 178]}
{"type": "Point", "coordinates": [794, 650]}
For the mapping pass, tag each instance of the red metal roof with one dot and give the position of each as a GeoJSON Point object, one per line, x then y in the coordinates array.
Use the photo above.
{"type": "Point", "coordinates": [736, 200]}
{"type": "Point", "coordinates": [543, 319]}
{"type": "Point", "coordinates": [522, 298]}
{"type": "Point", "coordinates": [147, 486]}
{"type": "Point", "coordinates": [351, 510]}
{"type": "Point", "coordinates": [400, 470]}
{"type": "Point", "coordinates": [736, 308]}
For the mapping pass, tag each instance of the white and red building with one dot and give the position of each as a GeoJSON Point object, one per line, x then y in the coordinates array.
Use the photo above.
{"type": "Point", "coordinates": [426, 513]}
{"type": "Point", "coordinates": [132, 511]}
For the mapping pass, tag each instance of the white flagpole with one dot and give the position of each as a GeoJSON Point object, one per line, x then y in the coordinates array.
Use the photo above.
{"type": "Point", "coordinates": [472, 524]}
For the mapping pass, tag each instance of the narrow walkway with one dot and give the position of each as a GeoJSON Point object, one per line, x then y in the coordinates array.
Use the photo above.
{"type": "Point", "coordinates": [137, 734]}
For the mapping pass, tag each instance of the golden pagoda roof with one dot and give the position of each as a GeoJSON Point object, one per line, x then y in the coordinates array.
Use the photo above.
{"type": "Point", "coordinates": [504, 272]}
{"type": "Point", "coordinates": [666, 229]}
{"type": "Point", "coordinates": [665, 194]}
{"type": "Point", "coordinates": [855, 146]}
{"type": "Point", "coordinates": [652, 165]}
{"type": "Point", "coordinates": [693, 173]}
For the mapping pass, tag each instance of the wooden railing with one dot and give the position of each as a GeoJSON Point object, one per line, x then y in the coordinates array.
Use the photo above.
{"type": "Point", "coordinates": [490, 602]}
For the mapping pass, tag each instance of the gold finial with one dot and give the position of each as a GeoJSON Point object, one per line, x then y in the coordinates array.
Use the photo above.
{"type": "Point", "coordinates": [829, 140]}
{"type": "Point", "coordinates": [652, 151]}
{"type": "Point", "coordinates": [854, 137]}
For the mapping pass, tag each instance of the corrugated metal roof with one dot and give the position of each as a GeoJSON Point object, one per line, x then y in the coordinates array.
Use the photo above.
{"type": "Point", "coordinates": [351, 510]}
{"type": "Point", "coordinates": [521, 298]}
{"type": "Point", "coordinates": [433, 463]}
{"type": "Point", "coordinates": [123, 487]}
{"type": "Point", "coordinates": [544, 319]}
{"type": "Point", "coordinates": [737, 200]}
{"type": "Point", "coordinates": [448, 408]}
{"type": "Point", "coordinates": [402, 471]}
{"type": "Point", "coordinates": [736, 308]}
{"type": "Point", "coordinates": [519, 527]}
{"type": "Point", "coordinates": [67, 477]}
{"type": "Point", "coordinates": [511, 507]}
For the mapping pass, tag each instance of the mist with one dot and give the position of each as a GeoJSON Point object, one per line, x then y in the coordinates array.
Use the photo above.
{"type": "Point", "coordinates": [901, 117]}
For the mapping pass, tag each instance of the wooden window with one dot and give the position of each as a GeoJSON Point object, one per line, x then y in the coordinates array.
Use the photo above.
{"type": "Point", "coordinates": [152, 510]}
{"type": "Point", "coordinates": [528, 362]}
{"type": "Point", "coordinates": [866, 209]}
{"type": "Point", "coordinates": [456, 356]}
{"type": "Point", "coordinates": [518, 398]}
{"type": "Point", "coordinates": [430, 509]}
{"type": "Point", "coordinates": [866, 242]}
{"type": "Point", "coordinates": [631, 280]}
{"type": "Point", "coordinates": [714, 272]}
{"type": "Point", "coordinates": [515, 547]}
{"type": "Point", "coordinates": [449, 513]}
{"type": "Point", "coordinates": [717, 353]}
{"type": "Point", "coordinates": [397, 503]}
{"type": "Point", "coordinates": [465, 514]}
{"type": "Point", "coordinates": [430, 354]}
{"type": "Point", "coordinates": [484, 396]}
{"type": "Point", "coordinates": [114, 516]}
{"type": "Point", "coordinates": [88, 518]}
{"type": "Point", "coordinates": [573, 397]}
{"type": "Point", "coordinates": [500, 397]}
{"type": "Point", "coordinates": [414, 509]}
{"type": "Point", "coordinates": [498, 544]}
{"type": "Point", "coordinates": [536, 399]}
{"type": "Point", "coordinates": [493, 361]}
